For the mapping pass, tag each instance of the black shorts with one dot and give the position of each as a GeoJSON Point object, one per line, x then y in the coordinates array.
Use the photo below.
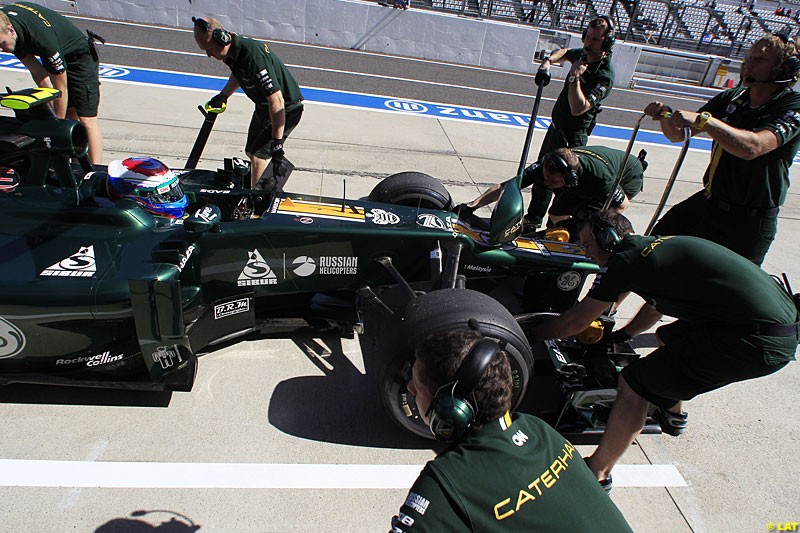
{"type": "Point", "coordinates": [748, 236]}
{"type": "Point", "coordinates": [259, 134]}
{"type": "Point", "coordinates": [700, 359]}
{"type": "Point", "coordinates": [83, 85]}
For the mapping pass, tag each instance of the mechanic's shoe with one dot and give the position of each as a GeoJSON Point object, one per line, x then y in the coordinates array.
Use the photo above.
{"type": "Point", "coordinates": [529, 225]}
{"type": "Point", "coordinates": [671, 423]}
{"type": "Point", "coordinates": [607, 484]}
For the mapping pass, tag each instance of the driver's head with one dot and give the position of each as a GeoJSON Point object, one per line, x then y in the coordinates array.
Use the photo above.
{"type": "Point", "coordinates": [148, 182]}
{"type": "Point", "coordinates": [560, 169]}
{"type": "Point", "coordinates": [204, 37]}
{"type": "Point", "coordinates": [438, 359]}
{"type": "Point", "coordinates": [8, 35]}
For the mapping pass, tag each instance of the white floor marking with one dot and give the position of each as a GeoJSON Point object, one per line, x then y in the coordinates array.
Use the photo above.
{"type": "Point", "coordinates": [108, 474]}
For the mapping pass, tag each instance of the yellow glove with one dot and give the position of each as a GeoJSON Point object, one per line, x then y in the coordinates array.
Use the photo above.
{"type": "Point", "coordinates": [592, 334]}
{"type": "Point", "coordinates": [556, 234]}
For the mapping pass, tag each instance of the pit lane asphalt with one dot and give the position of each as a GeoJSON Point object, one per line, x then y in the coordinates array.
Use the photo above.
{"type": "Point", "coordinates": [305, 400]}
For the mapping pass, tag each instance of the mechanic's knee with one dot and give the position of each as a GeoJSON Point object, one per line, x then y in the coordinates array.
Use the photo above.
{"type": "Point", "coordinates": [625, 392]}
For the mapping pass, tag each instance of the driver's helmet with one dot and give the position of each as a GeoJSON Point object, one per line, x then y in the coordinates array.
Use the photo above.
{"type": "Point", "coordinates": [148, 182]}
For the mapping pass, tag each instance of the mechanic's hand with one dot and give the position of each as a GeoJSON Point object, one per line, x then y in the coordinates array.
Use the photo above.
{"type": "Point", "coordinates": [658, 110]}
{"type": "Point", "coordinates": [542, 77]}
{"type": "Point", "coordinates": [682, 119]}
{"type": "Point", "coordinates": [617, 337]}
{"type": "Point", "coordinates": [218, 103]}
{"type": "Point", "coordinates": [276, 150]}
{"type": "Point", "coordinates": [592, 334]}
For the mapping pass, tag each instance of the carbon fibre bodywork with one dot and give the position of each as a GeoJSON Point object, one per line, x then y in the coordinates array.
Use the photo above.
{"type": "Point", "coordinates": [99, 293]}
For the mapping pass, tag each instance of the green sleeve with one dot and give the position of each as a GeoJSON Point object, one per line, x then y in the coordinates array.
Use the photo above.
{"type": "Point", "coordinates": [428, 508]}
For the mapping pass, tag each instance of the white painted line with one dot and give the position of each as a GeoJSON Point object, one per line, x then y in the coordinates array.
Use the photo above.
{"type": "Point", "coordinates": [107, 474]}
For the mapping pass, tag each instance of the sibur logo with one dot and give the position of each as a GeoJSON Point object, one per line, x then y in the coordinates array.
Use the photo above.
{"type": "Point", "coordinates": [256, 272]}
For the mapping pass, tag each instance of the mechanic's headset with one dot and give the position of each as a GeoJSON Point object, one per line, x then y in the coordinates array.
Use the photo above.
{"type": "Point", "coordinates": [789, 70]}
{"type": "Point", "coordinates": [604, 233]}
{"type": "Point", "coordinates": [221, 36]}
{"type": "Point", "coordinates": [560, 165]}
{"type": "Point", "coordinates": [453, 409]}
{"type": "Point", "coordinates": [610, 39]}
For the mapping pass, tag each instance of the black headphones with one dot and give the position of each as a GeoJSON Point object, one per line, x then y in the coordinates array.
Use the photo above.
{"type": "Point", "coordinates": [610, 39]}
{"type": "Point", "coordinates": [559, 164]}
{"type": "Point", "coordinates": [453, 408]}
{"type": "Point", "coordinates": [220, 35]}
{"type": "Point", "coordinates": [604, 233]}
{"type": "Point", "coordinates": [789, 69]}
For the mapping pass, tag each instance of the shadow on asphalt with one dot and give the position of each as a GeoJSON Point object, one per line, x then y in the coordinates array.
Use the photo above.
{"type": "Point", "coordinates": [60, 395]}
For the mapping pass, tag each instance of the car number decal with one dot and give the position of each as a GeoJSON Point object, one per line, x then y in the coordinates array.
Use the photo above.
{"type": "Point", "coordinates": [287, 206]}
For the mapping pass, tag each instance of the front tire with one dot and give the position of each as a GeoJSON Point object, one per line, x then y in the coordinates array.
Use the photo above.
{"type": "Point", "coordinates": [412, 189]}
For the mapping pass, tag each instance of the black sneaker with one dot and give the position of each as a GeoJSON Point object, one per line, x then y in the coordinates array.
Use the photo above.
{"type": "Point", "coordinates": [607, 484]}
{"type": "Point", "coordinates": [671, 423]}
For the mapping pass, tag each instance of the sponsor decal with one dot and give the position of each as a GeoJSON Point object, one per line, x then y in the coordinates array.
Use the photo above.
{"type": "Point", "coordinates": [427, 220]}
{"type": "Point", "coordinates": [568, 281]}
{"type": "Point", "coordinates": [383, 218]}
{"type": "Point", "coordinates": [206, 214]}
{"type": "Point", "coordinates": [92, 360]}
{"type": "Point", "coordinates": [305, 220]}
{"type": "Point", "coordinates": [216, 191]}
{"type": "Point", "coordinates": [264, 79]}
{"type": "Point", "coordinates": [167, 356]}
{"type": "Point", "coordinates": [338, 265]}
{"type": "Point", "coordinates": [731, 108]}
{"type": "Point", "coordinates": [417, 502]}
{"type": "Point", "coordinates": [304, 266]}
{"type": "Point", "coordinates": [405, 519]}
{"type": "Point", "coordinates": [186, 255]}
{"type": "Point", "coordinates": [12, 340]}
{"type": "Point", "coordinates": [231, 308]}
{"type": "Point", "coordinates": [476, 268]}
{"type": "Point", "coordinates": [519, 438]}
{"type": "Point", "coordinates": [81, 264]}
{"type": "Point", "coordinates": [513, 229]}
{"type": "Point", "coordinates": [406, 106]}
{"type": "Point", "coordinates": [256, 271]}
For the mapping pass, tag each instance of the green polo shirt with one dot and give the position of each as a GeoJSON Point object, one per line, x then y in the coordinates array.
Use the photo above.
{"type": "Point", "coordinates": [597, 169]}
{"type": "Point", "coordinates": [695, 280]}
{"type": "Point", "coordinates": [761, 182]}
{"type": "Point", "coordinates": [596, 82]}
{"type": "Point", "coordinates": [45, 33]}
{"type": "Point", "coordinates": [260, 73]}
{"type": "Point", "coordinates": [518, 477]}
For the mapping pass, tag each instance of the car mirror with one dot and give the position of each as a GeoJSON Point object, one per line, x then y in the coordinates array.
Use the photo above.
{"type": "Point", "coordinates": [207, 218]}
{"type": "Point", "coordinates": [506, 221]}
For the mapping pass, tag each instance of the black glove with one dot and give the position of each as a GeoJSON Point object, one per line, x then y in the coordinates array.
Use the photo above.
{"type": "Point", "coordinates": [218, 101]}
{"type": "Point", "coordinates": [464, 209]}
{"type": "Point", "coordinates": [617, 337]}
{"type": "Point", "coordinates": [276, 150]}
{"type": "Point", "coordinates": [542, 77]}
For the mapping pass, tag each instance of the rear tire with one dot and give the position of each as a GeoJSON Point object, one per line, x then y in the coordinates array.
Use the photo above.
{"type": "Point", "coordinates": [444, 310]}
{"type": "Point", "coordinates": [412, 189]}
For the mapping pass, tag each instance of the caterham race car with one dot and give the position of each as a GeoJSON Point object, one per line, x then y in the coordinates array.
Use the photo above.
{"type": "Point", "coordinates": [97, 291]}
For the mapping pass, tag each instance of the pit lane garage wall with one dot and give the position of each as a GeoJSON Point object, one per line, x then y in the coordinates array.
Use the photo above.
{"type": "Point", "coordinates": [362, 25]}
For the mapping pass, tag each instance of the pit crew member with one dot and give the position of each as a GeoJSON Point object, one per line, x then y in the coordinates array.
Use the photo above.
{"type": "Point", "coordinates": [755, 129]}
{"type": "Point", "coordinates": [266, 81]}
{"type": "Point", "coordinates": [502, 471]}
{"type": "Point", "coordinates": [734, 323]}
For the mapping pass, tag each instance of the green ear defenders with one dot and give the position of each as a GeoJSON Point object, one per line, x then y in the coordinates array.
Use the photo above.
{"type": "Point", "coordinates": [453, 410]}
{"type": "Point", "coordinates": [608, 41]}
{"type": "Point", "coordinates": [604, 233]}
{"type": "Point", "coordinates": [557, 163]}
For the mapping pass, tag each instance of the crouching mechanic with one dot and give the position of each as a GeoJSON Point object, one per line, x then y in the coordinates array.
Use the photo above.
{"type": "Point", "coordinates": [734, 322]}
{"type": "Point", "coordinates": [503, 471]}
{"type": "Point", "coordinates": [267, 82]}
{"type": "Point", "coordinates": [581, 179]}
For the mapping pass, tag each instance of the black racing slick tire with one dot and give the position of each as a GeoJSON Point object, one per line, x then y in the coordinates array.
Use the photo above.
{"type": "Point", "coordinates": [412, 189]}
{"type": "Point", "coordinates": [444, 310]}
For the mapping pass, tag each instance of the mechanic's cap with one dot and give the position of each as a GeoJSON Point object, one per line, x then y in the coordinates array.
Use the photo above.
{"type": "Point", "coordinates": [149, 182]}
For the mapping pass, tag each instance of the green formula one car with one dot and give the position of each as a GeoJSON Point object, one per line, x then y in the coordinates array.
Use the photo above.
{"type": "Point", "coordinates": [99, 291]}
